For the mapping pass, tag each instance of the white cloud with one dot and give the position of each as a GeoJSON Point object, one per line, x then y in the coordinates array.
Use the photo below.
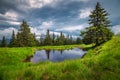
{"type": "Point", "coordinates": [11, 15]}
{"type": "Point", "coordinates": [73, 28]}
{"type": "Point", "coordinates": [10, 22]}
{"type": "Point", "coordinates": [47, 1]}
{"type": "Point", "coordinates": [37, 30]}
{"type": "Point", "coordinates": [8, 32]}
{"type": "Point", "coordinates": [42, 28]}
{"type": "Point", "coordinates": [40, 32]}
{"type": "Point", "coordinates": [40, 3]}
{"type": "Point", "coordinates": [13, 22]}
{"type": "Point", "coordinates": [35, 4]}
{"type": "Point", "coordinates": [81, 0]}
{"type": "Point", "coordinates": [56, 33]}
{"type": "Point", "coordinates": [47, 24]}
{"type": "Point", "coordinates": [116, 29]}
{"type": "Point", "coordinates": [84, 13]}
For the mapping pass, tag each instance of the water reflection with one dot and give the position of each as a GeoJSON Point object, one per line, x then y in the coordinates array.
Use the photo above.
{"type": "Point", "coordinates": [57, 55]}
{"type": "Point", "coordinates": [47, 53]}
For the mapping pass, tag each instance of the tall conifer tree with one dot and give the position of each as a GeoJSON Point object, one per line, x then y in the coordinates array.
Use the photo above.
{"type": "Point", "coordinates": [24, 36]}
{"type": "Point", "coordinates": [3, 42]}
{"type": "Point", "coordinates": [48, 40]}
{"type": "Point", "coordinates": [13, 40]}
{"type": "Point", "coordinates": [99, 31]}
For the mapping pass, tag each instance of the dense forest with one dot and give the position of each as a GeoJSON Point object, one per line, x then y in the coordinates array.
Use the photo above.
{"type": "Point", "coordinates": [97, 33]}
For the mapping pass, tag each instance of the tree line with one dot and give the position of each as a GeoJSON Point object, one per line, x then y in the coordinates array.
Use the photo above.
{"type": "Point", "coordinates": [59, 39]}
{"type": "Point", "coordinates": [24, 38]}
{"type": "Point", "coordinates": [97, 33]}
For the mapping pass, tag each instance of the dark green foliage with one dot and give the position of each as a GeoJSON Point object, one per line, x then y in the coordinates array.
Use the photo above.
{"type": "Point", "coordinates": [3, 42]}
{"type": "Point", "coordinates": [53, 39]}
{"type": "Point", "coordinates": [13, 40]}
{"type": "Point", "coordinates": [35, 40]}
{"type": "Point", "coordinates": [48, 40]}
{"type": "Point", "coordinates": [24, 36]}
{"type": "Point", "coordinates": [60, 39]}
{"type": "Point", "coordinates": [99, 31]}
{"type": "Point", "coordinates": [56, 39]}
{"type": "Point", "coordinates": [98, 17]}
{"type": "Point", "coordinates": [41, 42]}
{"type": "Point", "coordinates": [68, 40]}
{"type": "Point", "coordinates": [78, 40]}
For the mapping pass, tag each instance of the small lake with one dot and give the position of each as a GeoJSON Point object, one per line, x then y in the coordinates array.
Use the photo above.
{"type": "Point", "coordinates": [57, 55]}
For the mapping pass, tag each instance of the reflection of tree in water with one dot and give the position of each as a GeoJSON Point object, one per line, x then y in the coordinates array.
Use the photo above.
{"type": "Point", "coordinates": [47, 53]}
{"type": "Point", "coordinates": [53, 51]}
{"type": "Point", "coordinates": [61, 51]}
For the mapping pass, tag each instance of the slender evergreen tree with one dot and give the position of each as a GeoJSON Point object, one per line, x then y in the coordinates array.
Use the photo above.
{"type": "Point", "coordinates": [67, 39]}
{"type": "Point", "coordinates": [61, 39]}
{"type": "Point", "coordinates": [3, 42]}
{"type": "Point", "coordinates": [41, 42]}
{"type": "Point", "coordinates": [48, 40]}
{"type": "Point", "coordinates": [53, 39]}
{"type": "Point", "coordinates": [36, 42]}
{"type": "Point", "coordinates": [70, 40]}
{"type": "Point", "coordinates": [57, 40]}
{"type": "Point", "coordinates": [13, 40]}
{"type": "Point", "coordinates": [99, 17]}
{"type": "Point", "coordinates": [78, 40]}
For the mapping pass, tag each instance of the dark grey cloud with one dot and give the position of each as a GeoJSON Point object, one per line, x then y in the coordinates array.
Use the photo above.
{"type": "Point", "coordinates": [53, 14]}
{"type": "Point", "coordinates": [6, 5]}
{"type": "Point", "coordinates": [61, 13]}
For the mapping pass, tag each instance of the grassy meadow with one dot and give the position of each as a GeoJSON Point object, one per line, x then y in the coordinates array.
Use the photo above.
{"type": "Point", "coordinates": [100, 63]}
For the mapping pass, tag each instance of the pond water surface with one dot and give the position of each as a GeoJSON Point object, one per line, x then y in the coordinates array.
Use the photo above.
{"type": "Point", "coordinates": [57, 55]}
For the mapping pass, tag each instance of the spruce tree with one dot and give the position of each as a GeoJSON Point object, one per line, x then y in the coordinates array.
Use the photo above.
{"type": "Point", "coordinates": [99, 31]}
{"type": "Point", "coordinates": [36, 42]}
{"type": "Point", "coordinates": [48, 40]}
{"type": "Point", "coordinates": [53, 39]}
{"type": "Point", "coordinates": [57, 40]}
{"type": "Point", "coordinates": [67, 40]}
{"type": "Point", "coordinates": [78, 40]}
{"type": "Point", "coordinates": [71, 40]}
{"type": "Point", "coordinates": [24, 36]}
{"type": "Point", "coordinates": [99, 17]}
{"type": "Point", "coordinates": [62, 39]}
{"type": "Point", "coordinates": [13, 40]}
{"type": "Point", "coordinates": [3, 42]}
{"type": "Point", "coordinates": [41, 41]}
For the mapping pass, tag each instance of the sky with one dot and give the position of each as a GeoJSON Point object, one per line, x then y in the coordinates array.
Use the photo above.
{"type": "Point", "coordinates": [68, 16]}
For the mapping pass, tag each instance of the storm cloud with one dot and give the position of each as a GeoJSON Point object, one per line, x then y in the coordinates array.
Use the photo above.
{"type": "Point", "coordinates": [68, 16]}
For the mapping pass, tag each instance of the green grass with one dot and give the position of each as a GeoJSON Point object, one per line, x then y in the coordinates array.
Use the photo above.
{"type": "Point", "coordinates": [100, 63]}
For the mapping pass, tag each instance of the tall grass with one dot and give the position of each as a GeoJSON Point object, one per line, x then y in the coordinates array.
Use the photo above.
{"type": "Point", "coordinates": [100, 63]}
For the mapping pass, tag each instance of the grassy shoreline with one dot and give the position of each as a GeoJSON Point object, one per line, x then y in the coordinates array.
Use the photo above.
{"type": "Point", "coordinates": [100, 63]}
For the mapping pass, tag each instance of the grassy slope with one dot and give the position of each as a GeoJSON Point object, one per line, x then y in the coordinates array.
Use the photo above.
{"type": "Point", "coordinates": [101, 63]}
